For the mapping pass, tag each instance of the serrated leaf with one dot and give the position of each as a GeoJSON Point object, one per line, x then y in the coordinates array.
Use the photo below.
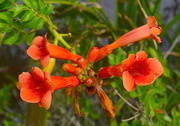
{"type": "Point", "coordinates": [6, 28]}
{"type": "Point", "coordinates": [29, 38]}
{"type": "Point", "coordinates": [35, 4]}
{"type": "Point", "coordinates": [27, 15]}
{"type": "Point", "coordinates": [5, 5]}
{"type": "Point", "coordinates": [31, 23]}
{"type": "Point", "coordinates": [18, 9]}
{"type": "Point", "coordinates": [40, 23]}
{"type": "Point", "coordinates": [20, 39]}
{"type": "Point", "coordinates": [6, 17]}
{"type": "Point", "coordinates": [10, 38]}
{"type": "Point", "coordinates": [27, 3]}
{"type": "Point", "coordinates": [48, 9]}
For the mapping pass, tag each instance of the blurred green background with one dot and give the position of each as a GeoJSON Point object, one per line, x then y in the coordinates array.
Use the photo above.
{"type": "Point", "coordinates": [93, 23]}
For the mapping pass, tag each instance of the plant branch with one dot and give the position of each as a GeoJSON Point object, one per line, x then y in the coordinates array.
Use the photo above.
{"type": "Point", "coordinates": [125, 100]}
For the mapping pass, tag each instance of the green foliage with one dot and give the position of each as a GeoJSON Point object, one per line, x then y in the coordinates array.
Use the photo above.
{"type": "Point", "coordinates": [23, 19]}
{"type": "Point", "coordinates": [157, 104]}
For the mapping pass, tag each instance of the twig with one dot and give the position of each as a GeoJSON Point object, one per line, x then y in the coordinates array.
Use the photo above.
{"type": "Point", "coordinates": [126, 100]}
{"type": "Point", "coordinates": [172, 47]}
{"type": "Point", "coordinates": [124, 120]}
{"type": "Point", "coordinates": [142, 9]}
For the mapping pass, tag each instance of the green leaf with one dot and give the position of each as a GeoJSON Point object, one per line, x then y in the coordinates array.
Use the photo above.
{"type": "Point", "coordinates": [18, 9]}
{"type": "Point", "coordinates": [40, 23]}
{"type": "Point", "coordinates": [6, 17]}
{"type": "Point", "coordinates": [48, 9]}
{"type": "Point", "coordinates": [6, 28]}
{"type": "Point", "coordinates": [20, 39]}
{"type": "Point", "coordinates": [29, 38]}
{"type": "Point", "coordinates": [31, 23]}
{"type": "Point", "coordinates": [27, 15]}
{"type": "Point", "coordinates": [27, 3]}
{"type": "Point", "coordinates": [10, 38]}
{"type": "Point", "coordinates": [2, 1]}
{"type": "Point", "coordinates": [5, 5]}
{"type": "Point", "coordinates": [35, 4]}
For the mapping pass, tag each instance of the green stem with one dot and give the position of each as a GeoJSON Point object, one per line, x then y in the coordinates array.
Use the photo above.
{"type": "Point", "coordinates": [59, 37]}
{"type": "Point", "coordinates": [36, 116]}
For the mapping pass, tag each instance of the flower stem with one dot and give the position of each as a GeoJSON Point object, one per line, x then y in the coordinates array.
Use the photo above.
{"type": "Point", "coordinates": [59, 36]}
{"type": "Point", "coordinates": [36, 116]}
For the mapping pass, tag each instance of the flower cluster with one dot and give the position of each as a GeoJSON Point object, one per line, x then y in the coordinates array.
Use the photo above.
{"type": "Point", "coordinates": [38, 85]}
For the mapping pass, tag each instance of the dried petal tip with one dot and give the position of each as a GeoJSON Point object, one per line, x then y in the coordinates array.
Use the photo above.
{"type": "Point", "coordinates": [106, 103]}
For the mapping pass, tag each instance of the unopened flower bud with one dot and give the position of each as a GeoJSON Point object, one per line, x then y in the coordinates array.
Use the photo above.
{"type": "Point", "coordinates": [88, 82]}
{"type": "Point", "coordinates": [69, 68]}
{"type": "Point", "coordinates": [81, 62]}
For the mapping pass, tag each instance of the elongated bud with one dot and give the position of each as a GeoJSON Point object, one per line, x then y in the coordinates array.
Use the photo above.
{"type": "Point", "coordinates": [104, 72]}
{"type": "Point", "coordinates": [106, 103]}
{"type": "Point", "coordinates": [104, 51]}
{"type": "Point", "coordinates": [81, 62]}
{"type": "Point", "coordinates": [69, 68]}
{"type": "Point", "coordinates": [76, 106]}
{"type": "Point", "coordinates": [92, 55]}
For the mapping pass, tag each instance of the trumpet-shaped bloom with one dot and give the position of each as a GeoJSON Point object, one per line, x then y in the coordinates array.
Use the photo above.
{"type": "Point", "coordinates": [43, 50]}
{"type": "Point", "coordinates": [135, 70]}
{"type": "Point", "coordinates": [149, 30]}
{"type": "Point", "coordinates": [36, 87]}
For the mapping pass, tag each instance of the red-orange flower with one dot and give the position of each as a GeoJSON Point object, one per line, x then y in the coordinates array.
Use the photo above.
{"type": "Point", "coordinates": [36, 87]}
{"type": "Point", "coordinates": [149, 30]}
{"type": "Point", "coordinates": [43, 50]}
{"type": "Point", "coordinates": [136, 70]}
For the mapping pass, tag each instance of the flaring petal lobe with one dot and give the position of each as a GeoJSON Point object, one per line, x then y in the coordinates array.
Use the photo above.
{"type": "Point", "coordinates": [37, 73]}
{"type": "Point", "coordinates": [46, 100]}
{"type": "Point", "coordinates": [128, 81]}
{"type": "Point", "coordinates": [29, 96]}
{"type": "Point", "coordinates": [141, 57]}
{"type": "Point", "coordinates": [154, 66]}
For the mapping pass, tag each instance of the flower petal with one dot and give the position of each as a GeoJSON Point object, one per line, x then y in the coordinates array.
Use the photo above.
{"type": "Point", "coordinates": [44, 61]}
{"type": "Point", "coordinates": [46, 100]}
{"type": "Point", "coordinates": [128, 81]}
{"type": "Point", "coordinates": [29, 96]}
{"type": "Point", "coordinates": [24, 79]}
{"type": "Point", "coordinates": [154, 66]}
{"type": "Point", "coordinates": [141, 57]}
{"type": "Point", "coordinates": [143, 80]}
{"type": "Point", "coordinates": [37, 73]}
{"type": "Point", "coordinates": [38, 41]}
{"type": "Point", "coordinates": [127, 63]}
{"type": "Point", "coordinates": [34, 52]}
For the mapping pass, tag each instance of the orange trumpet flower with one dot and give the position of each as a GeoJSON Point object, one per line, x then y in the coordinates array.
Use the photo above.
{"type": "Point", "coordinates": [43, 50]}
{"type": "Point", "coordinates": [135, 70]}
{"type": "Point", "coordinates": [149, 30]}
